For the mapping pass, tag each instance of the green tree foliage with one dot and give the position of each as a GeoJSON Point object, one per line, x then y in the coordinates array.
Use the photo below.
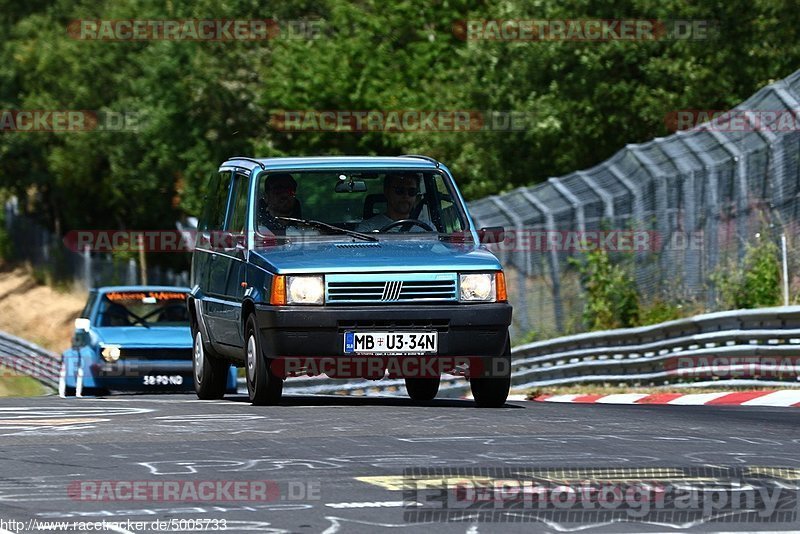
{"type": "Point", "coordinates": [754, 284]}
{"type": "Point", "coordinates": [198, 103]}
{"type": "Point", "coordinates": [610, 291]}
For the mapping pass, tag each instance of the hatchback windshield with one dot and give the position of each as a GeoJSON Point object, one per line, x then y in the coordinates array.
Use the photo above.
{"type": "Point", "coordinates": [144, 308]}
{"type": "Point", "coordinates": [388, 202]}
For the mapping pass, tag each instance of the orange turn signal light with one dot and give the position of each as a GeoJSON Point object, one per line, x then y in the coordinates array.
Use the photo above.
{"type": "Point", "coordinates": [277, 297]}
{"type": "Point", "coordinates": [500, 286]}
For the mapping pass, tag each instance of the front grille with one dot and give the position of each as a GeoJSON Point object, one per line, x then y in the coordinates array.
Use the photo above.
{"type": "Point", "coordinates": [155, 354]}
{"type": "Point", "coordinates": [399, 288]}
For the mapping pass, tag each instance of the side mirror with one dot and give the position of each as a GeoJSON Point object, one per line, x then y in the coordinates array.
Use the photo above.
{"type": "Point", "coordinates": [491, 234]}
{"type": "Point", "coordinates": [81, 337]}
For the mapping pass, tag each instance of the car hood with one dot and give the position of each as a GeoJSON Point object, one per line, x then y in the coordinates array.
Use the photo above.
{"type": "Point", "coordinates": [386, 255]}
{"type": "Point", "coordinates": [172, 337]}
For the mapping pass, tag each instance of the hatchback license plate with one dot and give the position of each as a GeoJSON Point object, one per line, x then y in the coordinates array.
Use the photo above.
{"type": "Point", "coordinates": [391, 342]}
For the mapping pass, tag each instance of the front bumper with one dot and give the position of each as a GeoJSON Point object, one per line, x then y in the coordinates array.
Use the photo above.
{"type": "Point", "coordinates": [129, 374]}
{"type": "Point", "coordinates": [475, 330]}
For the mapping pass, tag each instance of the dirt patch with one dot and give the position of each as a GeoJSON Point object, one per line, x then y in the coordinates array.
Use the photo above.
{"type": "Point", "coordinates": [36, 312]}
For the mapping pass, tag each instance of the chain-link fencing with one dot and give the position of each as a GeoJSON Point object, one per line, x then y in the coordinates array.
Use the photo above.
{"type": "Point", "coordinates": [682, 208]}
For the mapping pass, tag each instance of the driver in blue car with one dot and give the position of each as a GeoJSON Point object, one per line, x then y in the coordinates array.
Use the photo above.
{"type": "Point", "coordinates": [279, 200]}
{"type": "Point", "coordinates": [402, 193]}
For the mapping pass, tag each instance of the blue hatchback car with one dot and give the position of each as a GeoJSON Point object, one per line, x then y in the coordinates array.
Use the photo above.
{"type": "Point", "coordinates": [348, 267]}
{"type": "Point", "coordinates": [132, 338]}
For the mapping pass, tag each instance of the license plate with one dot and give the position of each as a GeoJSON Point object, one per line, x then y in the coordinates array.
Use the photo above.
{"type": "Point", "coordinates": [391, 342]}
{"type": "Point", "coordinates": [162, 380]}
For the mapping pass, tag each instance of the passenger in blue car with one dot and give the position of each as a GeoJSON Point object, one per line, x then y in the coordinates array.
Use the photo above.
{"type": "Point", "coordinates": [279, 200]}
{"type": "Point", "coordinates": [115, 315]}
{"type": "Point", "coordinates": [402, 193]}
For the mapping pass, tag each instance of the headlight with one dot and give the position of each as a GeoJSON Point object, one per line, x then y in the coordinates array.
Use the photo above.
{"type": "Point", "coordinates": [304, 290]}
{"type": "Point", "coordinates": [111, 353]}
{"type": "Point", "coordinates": [477, 287]}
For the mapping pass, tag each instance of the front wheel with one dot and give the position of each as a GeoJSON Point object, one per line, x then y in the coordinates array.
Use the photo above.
{"type": "Point", "coordinates": [492, 391]}
{"type": "Point", "coordinates": [422, 389]}
{"type": "Point", "coordinates": [263, 387]}
{"type": "Point", "coordinates": [210, 374]}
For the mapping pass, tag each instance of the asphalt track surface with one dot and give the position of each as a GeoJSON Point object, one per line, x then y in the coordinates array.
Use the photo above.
{"type": "Point", "coordinates": [338, 461]}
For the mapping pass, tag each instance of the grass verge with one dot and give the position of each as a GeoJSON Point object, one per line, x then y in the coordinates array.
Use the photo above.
{"type": "Point", "coordinates": [19, 386]}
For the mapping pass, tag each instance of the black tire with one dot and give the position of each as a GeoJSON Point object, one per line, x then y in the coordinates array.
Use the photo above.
{"type": "Point", "coordinates": [263, 387]}
{"type": "Point", "coordinates": [492, 391]}
{"type": "Point", "coordinates": [422, 389]}
{"type": "Point", "coordinates": [210, 373]}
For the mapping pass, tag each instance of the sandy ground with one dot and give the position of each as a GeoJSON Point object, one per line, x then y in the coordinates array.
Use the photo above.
{"type": "Point", "coordinates": [37, 313]}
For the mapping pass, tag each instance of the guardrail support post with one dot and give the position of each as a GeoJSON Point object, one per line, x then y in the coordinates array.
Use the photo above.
{"type": "Point", "coordinates": [62, 381]}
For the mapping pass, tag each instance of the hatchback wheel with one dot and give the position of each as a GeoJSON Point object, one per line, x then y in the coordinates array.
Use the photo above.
{"type": "Point", "coordinates": [492, 391]}
{"type": "Point", "coordinates": [210, 373]}
{"type": "Point", "coordinates": [263, 387]}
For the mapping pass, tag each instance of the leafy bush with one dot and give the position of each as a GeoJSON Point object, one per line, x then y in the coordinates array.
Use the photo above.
{"type": "Point", "coordinates": [660, 311]}
{"type": "Point", "coordinates": [754, 284]}
{"type": "Point", "coordinates": [611, 297]}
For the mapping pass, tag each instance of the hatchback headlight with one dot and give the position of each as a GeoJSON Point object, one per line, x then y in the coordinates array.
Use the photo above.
{"type": "Point", "coordinates": [304, 290]}
{"type": "Point", "coordinates": [477, 287]}
{"type": "Point", "coordinates": [111, 353]}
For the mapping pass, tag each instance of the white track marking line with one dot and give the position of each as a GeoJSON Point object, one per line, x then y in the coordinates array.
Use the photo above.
{"type": "Point", "coordinates": [776, 398]}
{"type": "Point", "coordinates": [621, 398]}
{"type": "Point", "coordinates": [698, 398]}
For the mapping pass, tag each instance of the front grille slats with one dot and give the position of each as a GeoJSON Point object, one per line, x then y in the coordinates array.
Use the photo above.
{"type": "Point", "coordinates": [391, 289]}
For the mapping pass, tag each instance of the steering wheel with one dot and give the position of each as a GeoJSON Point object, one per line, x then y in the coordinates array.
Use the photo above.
{"type": "Point", "coordinates": [412, 222]}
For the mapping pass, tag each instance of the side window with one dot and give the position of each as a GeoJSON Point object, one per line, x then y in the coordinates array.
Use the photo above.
{"type": "Point", "coordinates": [217, 202]}
{"type": "Point", "coordinates": [238, 220]}
{"type": "Point", "coordinates": [89, 304]}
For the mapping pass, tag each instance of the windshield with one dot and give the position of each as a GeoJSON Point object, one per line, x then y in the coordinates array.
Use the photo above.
{"type": "Point", "coordinates": [144, 309]}
{"type": "Point", "coordinates": [373, 202]}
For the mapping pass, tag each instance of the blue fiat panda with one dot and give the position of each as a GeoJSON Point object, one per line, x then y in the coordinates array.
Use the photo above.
{"type": "Point", "coordinates": [348, 267]}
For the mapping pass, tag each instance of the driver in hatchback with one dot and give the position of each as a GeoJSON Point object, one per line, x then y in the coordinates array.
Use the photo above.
{"type": "Point", "coordinates": [402, 193]}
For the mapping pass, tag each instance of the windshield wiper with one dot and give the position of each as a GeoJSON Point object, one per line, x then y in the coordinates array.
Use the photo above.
{"type": "Point", "coordinates": [337, 229]}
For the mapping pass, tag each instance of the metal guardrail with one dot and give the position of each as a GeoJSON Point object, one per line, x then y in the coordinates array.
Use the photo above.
{"type": "Point", "coordinates": [755, 344]}
{"type": "Point", "coordinates": [21, 357]}
{"type": "Point", "coordinates": [761, 346]}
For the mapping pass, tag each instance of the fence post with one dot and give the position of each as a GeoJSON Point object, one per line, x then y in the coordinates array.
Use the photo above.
{"type": "Point", "coordinates": [577, 205]}
{"type": "Point", "coordinates": [558, 306]}
{"type": "Point", "coordinates": [131, 278]}
{"type": "Point", "coordinates": [87, 267]}
{"type": "Point", "coordinates": [608, 200]}
{"type": "Point", "coordinates": [739, 157]}
{"type": "Point", "coordinates": [519, 227]}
